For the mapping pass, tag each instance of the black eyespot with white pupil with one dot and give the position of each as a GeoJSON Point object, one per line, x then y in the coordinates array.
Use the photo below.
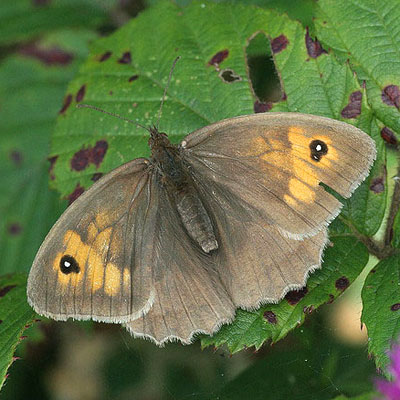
{"type": "Point", "coordinates": [68, 264]}
{"type": "Point", "coordinates": [318, 149]}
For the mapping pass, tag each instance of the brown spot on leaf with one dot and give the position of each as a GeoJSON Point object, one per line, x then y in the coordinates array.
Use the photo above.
{"type": "Point", "coordinates": [80, 160]}
{"type": "Point", "coordinates": [51, 168]}
{"type": "Point", "coordinates": [133, 78]}
{"type": "Point", "coordinates": [218, 57]}
{"type": "Point", "coordinates": [14, 228]}
{"type": "Point", "coordinates": [331, 299]}
{"type": "Point", "coordinates": [388, 136]}
{"type": "Point", "coordinates": [81, 93]}
{"type": "Point", "coordinates": [105, 56]}
{"type": "Point", "coordinates": [342, 283]}
{"type": "Point", "coordinates": [91, 155]}
{"type": "Point", "coordinates": [279, 43]}
{"type": "Point", "coordinates": [229, 76]}
{"type": "Point", "coordinates": [294, 296]}
{"type": "Point", "coordinates": [98, 152]}
{"type": "Point", "coordinates": [314, 48]}
{"type": "Point", "coordinates": [16, 157]}
{"type": "Point", "coordinates": [395, 307]}
{"type": "Point", "coordinates": [67, 103]}
{"type": "Point", "coordinates": [96, 176]}
{"type": "Point", "coordinates": [377, 185]}
{"type": "Point", "coordinates": [260, 107]}
{"type": "Point", "coordinates": [4, 290]}
{"type": "Point", "coordinates": [1, 321]}
{"type": "Point", "coordinates": [75, 194]}
{"type": "Point", "coordinates": [391, 95]}
{"type": "Point", "coordinates": [270, 316]}
{"type": "Point", "coordinates": [49, 56]}
{"type": "Point", "coordinates": [126, 58]}
{"type": "Point", "coordinates": [353, 108]}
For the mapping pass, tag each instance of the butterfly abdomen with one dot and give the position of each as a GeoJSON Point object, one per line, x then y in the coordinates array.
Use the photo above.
{"type": "Point", "coordinates": [174, 177]}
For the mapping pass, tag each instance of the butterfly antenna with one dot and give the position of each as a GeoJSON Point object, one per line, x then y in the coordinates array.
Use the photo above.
{"type": "Point", "coordinates": [165, 90]}
{"type": "Point", "coordinates": [112, 114]}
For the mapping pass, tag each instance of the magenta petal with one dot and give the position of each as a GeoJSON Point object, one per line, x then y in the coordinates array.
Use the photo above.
{"type": "Point", "coordinates": [389, 389]}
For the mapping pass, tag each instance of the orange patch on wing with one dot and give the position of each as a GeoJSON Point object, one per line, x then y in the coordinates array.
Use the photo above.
{"type": "Point", "coordinates": [301, 191]}
{"type": "Point", "coordinates": [112, 282]}
{"type": "Point", "coordinates": [91, 259]}
{"type": "Point", "coordinates": [290, 200]}
{"type": "Point", "coordinates": [77, 249]}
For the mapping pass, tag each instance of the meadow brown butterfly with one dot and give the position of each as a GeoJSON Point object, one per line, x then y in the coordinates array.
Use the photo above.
{"type": "Point", "coordinates": [234, 216]}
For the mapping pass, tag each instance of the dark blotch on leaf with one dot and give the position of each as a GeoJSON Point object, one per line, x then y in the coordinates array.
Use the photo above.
{"type": "Point", "coordinates": [98, 152]}
{"type": "Point", "coordinates": [1, 321]}
{"type": "Point", "coordinates": [126, 58]}
{"type": "Point", "coordinates": [96, 176]}
{"type": "Point", "coordinates": [16, 157]}
{"type": "Point", "coordinates": [80, 160]}
{"type": "Point", "coordinates": [133, 78]}
{"type": "Point", "coordinates": [67, 103]}
{"type": "Point", "coordinates": [395, 307]}
{"type": "Point", "coordinates": [50, 56]}
{"type": "Point", "coordinates": [353, 109]}
{"type": "Point", "coordinates": [314, 48]}
{"type": "Point", "coordinates": [388, 136]}
{"type": "Point", "coordinates": [105, 56]}
{"type": "Point", "coordinates": [260, 107]}
{"type": "Point", "coordinates": [342, 283]}
{"type": "Point", "coordinates": [229, 76]}
{"type": "Point", "coordinates": [81, 93]}
{"type": "Point", "coordinates": [294, 296]}
{"type": "Point", "coordinates": [219, 57]}
{"type": "Point", "coordinates": [75, 194]}
{"type": "Point", "coordinates": [51, 168]}
{"type": "Point", "coordinates": [4, 290]}
{"type": "Point", "coordinates": [391, 95]}
{"type": "Point", "coordinates": [279, 43]}
{"type": "Point", "coordinates": [377, 185]}
{"type": "Point", "coordinates": [270, 317]}
{"type": "Point", "coordinates": [14, 228]}
{"type": "Point", "coordinates": [331, 299]}
{"type": "Point", "coordinates": [92, 155]}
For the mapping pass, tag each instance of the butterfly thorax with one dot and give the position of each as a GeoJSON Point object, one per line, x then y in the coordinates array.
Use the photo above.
{"type": "Point", "coordinates": [173, 175]}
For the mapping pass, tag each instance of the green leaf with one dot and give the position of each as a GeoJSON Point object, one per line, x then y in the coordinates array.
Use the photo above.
{"type": "Point", "coordinates": [31, 94]}
{"type": "Point", "coordinates": [15, 316]}
{"type": "Point", "coordinates": [26, 19]}
{"type": "Point", "coordinates": [343, 262]}
{"type": "Point", "coordinates": [365, 32]}
{"type": "Point", "coordinates": [381, 311]}
{"type": "Point", "coordinates": [128, 76]}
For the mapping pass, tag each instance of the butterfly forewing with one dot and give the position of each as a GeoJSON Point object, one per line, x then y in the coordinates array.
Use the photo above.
{"type": "Point", "coordinates": [274, 163]}
{"type": "Point", "coordinates": [95, 263]}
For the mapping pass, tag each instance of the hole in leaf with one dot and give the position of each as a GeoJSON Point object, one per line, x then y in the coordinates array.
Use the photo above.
{"type": "Point", "coordinates": [262, 73]}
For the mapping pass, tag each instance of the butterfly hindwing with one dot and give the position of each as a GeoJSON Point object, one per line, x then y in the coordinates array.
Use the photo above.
{"type": "Point", "coordinates": [190, 296]}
